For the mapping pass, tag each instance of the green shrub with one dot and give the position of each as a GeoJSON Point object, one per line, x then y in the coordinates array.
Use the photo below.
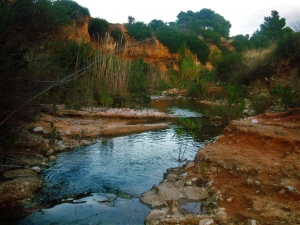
{"type": "Point", "coordinates": [198, 47]}
{"type": "Point", "coordinates": [71, 8]}
{"type": "Point", "coordinates": [289, 97]}
{"type": "Point", "coordinates": [288, 46]}
{"type": "Point", "coordinates": [97, 27]}
{"type": "Point", "coordinates": [175, 39]}
{"type": "Point", "coordinates": [117, 35]}
{"type": "Point", "coordinates": [230, 68]}
{"type": "Point", "coordinates": [260, 103]}
{"type": "Point", "coordinates": [171, 38]}
{"type": "Point", "coordinates": [139, 30]}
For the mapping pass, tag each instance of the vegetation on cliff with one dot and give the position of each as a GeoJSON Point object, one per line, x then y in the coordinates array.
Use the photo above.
{"type": "Point", "coordinates": [40, 64]}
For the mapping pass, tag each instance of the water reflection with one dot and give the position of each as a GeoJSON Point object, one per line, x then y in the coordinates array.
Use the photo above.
{"type": "Point", "coordinates": [77, 185]}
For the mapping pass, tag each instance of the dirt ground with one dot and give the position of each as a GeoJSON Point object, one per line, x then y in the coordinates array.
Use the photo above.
{"type": "Point", "coordinates": [256, 166]}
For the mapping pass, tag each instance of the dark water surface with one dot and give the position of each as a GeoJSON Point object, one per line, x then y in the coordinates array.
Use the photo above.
{"type": "Point", "coordinates": [102, 183]}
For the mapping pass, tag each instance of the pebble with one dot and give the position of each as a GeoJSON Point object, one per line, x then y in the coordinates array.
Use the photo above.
{"type": "Point", "coordinates": [229, 199]}
{"type": "Point", "coordinates": [38, 129]}
{"type": "Point", "coordinates": [257, 182]}
{"type": "Point", "coordinates": [189, 183]}
{"type": "Point", "coordinates": [254, 121]}
{"type": "Point", "coordinates": [206, 222]}
{"type": "Point", "coordinates": [45, 132]}
{"type": "Point", "coordinates": [36, 169]}
{"type": "Point", "coordinates": [52, 158]}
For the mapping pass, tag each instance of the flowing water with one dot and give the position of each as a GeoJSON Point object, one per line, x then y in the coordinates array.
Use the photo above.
{"type": "Point", "coordinates": [102, 183]}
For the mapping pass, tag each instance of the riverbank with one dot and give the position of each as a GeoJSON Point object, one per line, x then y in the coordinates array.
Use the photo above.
{"type": "Point", "coordinates": [61, 130]}
{"type": "Point", "coordinates": [250, 175]}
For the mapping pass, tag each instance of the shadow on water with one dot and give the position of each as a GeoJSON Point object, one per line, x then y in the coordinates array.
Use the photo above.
{"type": "Point", "coordinates": [102, 183]}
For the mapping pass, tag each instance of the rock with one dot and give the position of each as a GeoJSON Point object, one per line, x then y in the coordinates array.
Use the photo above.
{"type": "Point", "coordinates": [36, 169]}
{"type": "Point", "coordinates": [189, 183]}
{"type": "Point", "coordinates": [52, 158]}
{"type": "Point", "coordinates": [221, 216]}
{"type": "Point", "coordinates": [68, 132]}
{"type": "Point", "coordinates": [45, 132]}
{"type": "Point", "coordinates": [61, 146]}
{"type": "Point", "coordinates": [174, 191]}
{"type": "Point", "coordinates": [194, 179]}
{"type": "Point", "coordinates": [155, 215]}
{"type": "Point", "coordinates": [50, 152]}
{"type": "Point", "coordinates": [257, 182]}
{"type": "Point", "coordinates": [229, 199]}
{"type": "Point", "coordinates": [292, 189]}
{"type": "Point", "coordinates": [252, 222]}
{"type": "Point", "coordinates": [206, 221]}
{"type": "Point", "coordinates": [254, 121]}
{"type": "Point", "coordinates": [37, 129]}
{"type": "Point", "coordinates": [172, 177]}
{"type": "Point", "coordinates": [46, 140]}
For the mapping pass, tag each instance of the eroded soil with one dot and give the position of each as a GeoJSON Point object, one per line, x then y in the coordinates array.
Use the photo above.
{"type": "Point", "coordinates": [256, 166]}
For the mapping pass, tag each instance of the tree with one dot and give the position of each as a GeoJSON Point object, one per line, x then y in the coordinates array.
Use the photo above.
{"type": "Point", "coordinates": [273, 26]}
{"type": "Point", "coordinates": [139, 30]}
{"type": "Point", "coordinates": [131, 19]}
{"type": "Point", "coordinates": [155, 24]}
{"type": "Point", "coordinates": [205, 22]}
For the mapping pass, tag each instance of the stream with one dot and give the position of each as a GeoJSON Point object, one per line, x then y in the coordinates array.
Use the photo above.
{"type": "Point", "coordinates": [102, 183]}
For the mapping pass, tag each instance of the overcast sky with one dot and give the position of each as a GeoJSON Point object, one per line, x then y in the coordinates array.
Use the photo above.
{"type": "Point", "coordinates": [244, 16]}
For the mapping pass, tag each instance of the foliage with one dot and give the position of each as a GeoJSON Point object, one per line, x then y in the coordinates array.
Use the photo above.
{"type": "Point", "coordinates": [71, 10]}
{"type": "Point", "coordinates": [131, 19]}
{"type": "Point", "coordinates": [171, 37]}
{"type": "Point", "coordinates": [234, 94]}
{"type": "Point", "coordinates": [229, 67]}
{"type": "Point", "coordinates": [273, 25]}
{"type": "Point", "coordinates": [155, 24]}
{"type": "Point", "coordinates": [232, 108]}
{"type": "Point", "coordinates": [175, 39]}
{"type": "Point", "coordinates": [206, 22]}
{"type": "Point", "coordinates": [117, 35]}
{"type": "Point", "coordinates": [139, 30]}
{"type": "Point", "coordinates": [198, 47]}
{"type": "Point", "coordinates": [260, 103]}
{"type": "Point", "coordinates": [53, 132]}
{"type": "Point", "coordinates": [97, 27]}
{"type": "Point", "coordinates": [137, 79]}
{"type": "Point", "coordinates": [24, 26]}
{"type": "Point", "coordinates": [288, 96]}
{"type": "Point", "coordinates": [188, 126]}
{"type": "Point", "coordinates": [241, 43]}
{"type": "Point", "coordinates": [289, 45]}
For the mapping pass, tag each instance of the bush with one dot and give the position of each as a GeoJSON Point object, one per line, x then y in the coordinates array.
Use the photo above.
{"type": "Point", "coordinates": [230, 68]}
{"type": "Point", "coordinates": [288, 46]}
{"type": "Point", "coordinates": [260, 103]}
{"type": "Point", "coordinates": [71, 8]}
{"type": "Point", "coordinates": [171, 38]}
{"type": "Point", "coordinates": [289, 97]}
{"type": "Point", "coordinates": [97, 27]}
{"type": "Point", "coordinates": [175, 39]}
{"type": "Point", "coordinates": [198, 47]}
{"type": "Point", "coordinates": [139, 30]}
{"type": "Point", "coordinates": [117, 35]}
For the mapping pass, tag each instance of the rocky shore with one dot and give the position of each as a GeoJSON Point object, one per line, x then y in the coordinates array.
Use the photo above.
{"type": "Point", "coordinates": [61, 130]}
{"type": "Point", "coordinates": [250, 175]}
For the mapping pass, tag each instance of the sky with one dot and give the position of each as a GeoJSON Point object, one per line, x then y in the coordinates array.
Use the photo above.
{"type": "Point", "coordinates": [244, 16]}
